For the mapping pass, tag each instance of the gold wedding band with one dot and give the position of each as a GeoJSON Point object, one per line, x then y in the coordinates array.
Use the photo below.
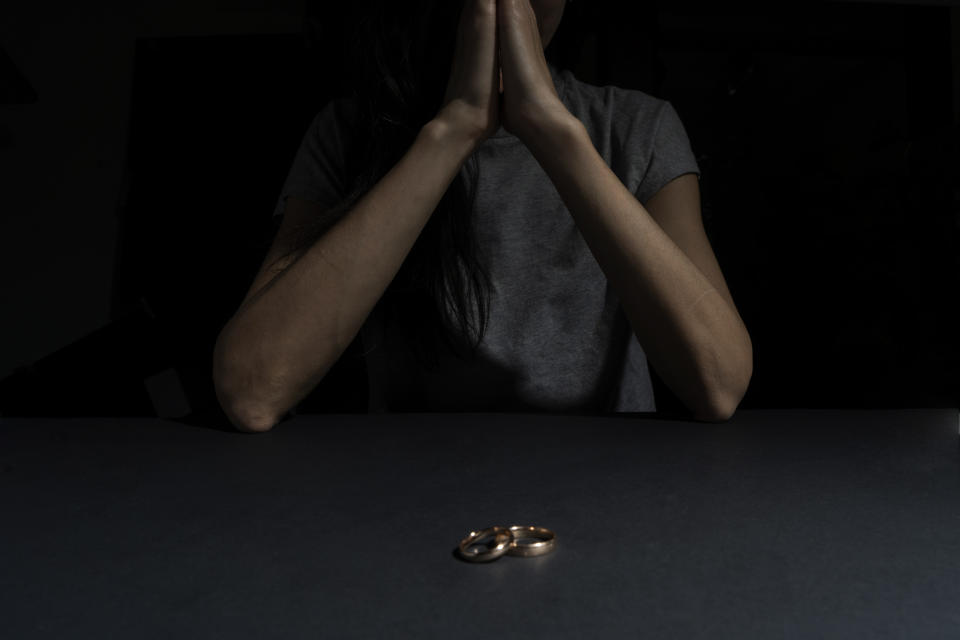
{"type": "Point", "coordinates": [509, 542]}
{"type": "Point", "coordinates": [546, 541]}
{"type": "Point", "coordinates": [502, 537]}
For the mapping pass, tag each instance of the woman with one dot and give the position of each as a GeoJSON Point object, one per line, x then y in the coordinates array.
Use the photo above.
{"type": "Point", "coordinates": [493, 251]}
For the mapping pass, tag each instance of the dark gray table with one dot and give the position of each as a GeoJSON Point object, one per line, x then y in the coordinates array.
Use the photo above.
{"type": "Point", "coordinates": [777, 524]}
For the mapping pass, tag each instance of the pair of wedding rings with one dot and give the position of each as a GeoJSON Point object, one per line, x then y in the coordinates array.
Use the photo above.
{"type": "Point", "coordinates": [511, 541]}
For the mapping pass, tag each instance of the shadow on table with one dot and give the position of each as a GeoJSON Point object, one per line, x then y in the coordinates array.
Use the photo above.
{"type": "Point", "coordinates": [212, 418]}
{"type": "Point", "coordinates": [216, 419]}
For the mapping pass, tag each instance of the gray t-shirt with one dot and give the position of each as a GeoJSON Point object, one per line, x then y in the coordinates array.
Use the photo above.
{"type": "Point", "coordinates": [557, 338]}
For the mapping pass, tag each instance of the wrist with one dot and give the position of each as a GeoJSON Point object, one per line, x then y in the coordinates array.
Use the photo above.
{"type": "Point", "coordinates": [553, 135]}
{"type": "Point", "coordinates": [451, 124]}
{"type": "Point", "coordinates": [450, 137]}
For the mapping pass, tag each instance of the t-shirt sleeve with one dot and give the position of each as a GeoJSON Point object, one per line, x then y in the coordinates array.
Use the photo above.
{"type": "Point", "coordinates": [670, 154]}
{"type": "Point", "coordinates": [317, 172]}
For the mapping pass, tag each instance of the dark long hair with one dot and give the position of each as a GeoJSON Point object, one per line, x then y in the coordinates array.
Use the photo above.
{"type": "Point", "coordinates": [398, 61]}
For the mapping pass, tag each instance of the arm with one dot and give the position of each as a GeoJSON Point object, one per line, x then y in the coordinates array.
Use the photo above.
{"type": "Point", "coordinates": [669, 284]}
{"type": "Point", "coordinates": [283, 340]}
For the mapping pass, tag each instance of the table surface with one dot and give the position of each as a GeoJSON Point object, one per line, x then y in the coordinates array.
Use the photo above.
{"type": "Point", "coordinates": [776, 524]}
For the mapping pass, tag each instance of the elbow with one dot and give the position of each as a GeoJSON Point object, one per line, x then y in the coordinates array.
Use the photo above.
{"type": "Point", "coordinates": [244, 418]}
{"type": "Point", "coordinates": [716, 412]}
{"type": "Point", "coordinates": [241, 416]}
{"type": "Point", "coordinates": [248, 419]}
{"type": "Point", "coordinates": [721, 403]}
{"type": "Point", "coordinates": [231, 398]}
{"type": "Point", "coordinates": [255, 424]}
{"type": "Point", "coordinates": [720, 408]}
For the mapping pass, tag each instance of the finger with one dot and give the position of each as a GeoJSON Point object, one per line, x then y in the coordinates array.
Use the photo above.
{"type": "Point", "coordinates": [497, 65]}
{"type": "Point", "coordinates": [480, 18]}
{"type": "Point", "coordinates": [487, 37]}
{"type": "Point", "coordinates": [519, 35]}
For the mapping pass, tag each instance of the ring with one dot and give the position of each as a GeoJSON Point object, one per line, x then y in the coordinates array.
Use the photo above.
{"type": "Point", "coordinates": [502, 537]}
{"type": "Point", "coordinates": [546, 541]}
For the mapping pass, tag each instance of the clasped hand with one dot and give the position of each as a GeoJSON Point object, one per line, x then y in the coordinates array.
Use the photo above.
{"type": "Point", "coordinates": [500, 73]}
{"type": "Point", "coordinates": [529, 98]}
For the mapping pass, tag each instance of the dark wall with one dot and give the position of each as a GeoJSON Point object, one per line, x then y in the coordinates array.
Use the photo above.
{"type": "Point", "coordinates": [62, 181]}
{"type": "Point", "coordinates": [828, 141]}
{"type": "Point", "coordinates": [826, 134]}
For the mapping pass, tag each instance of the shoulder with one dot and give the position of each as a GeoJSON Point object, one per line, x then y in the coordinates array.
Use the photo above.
{"type": "Point", "coordinates": [640, 135]}
{"type": "Point", "coordinates": [332, 134]}
{"type": "Point", "coordinates": [338, 113]}
{"type": "Point", "coordinates": [623, 111]}
{"type": "Point", "coordinates": [622, 118]}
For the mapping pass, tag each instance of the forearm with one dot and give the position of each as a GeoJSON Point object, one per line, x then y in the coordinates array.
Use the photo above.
{"type": "Point", "coordinates": [283, 342]}
{"type": "Point", "coordinates": [691, 334]}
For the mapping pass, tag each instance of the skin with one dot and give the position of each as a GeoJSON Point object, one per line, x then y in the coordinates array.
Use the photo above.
{"type": "Point", "coordinates": [656, 257]}
{"type": "Point", "coordinates": [549, 15]}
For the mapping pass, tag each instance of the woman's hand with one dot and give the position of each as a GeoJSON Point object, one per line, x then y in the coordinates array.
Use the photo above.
{"type": "Point", "coordinates": [529, 105]}
{"type": "Point", "coordinates": [472, 100]}
{"type": "Point", "coordinates": [500, 74]}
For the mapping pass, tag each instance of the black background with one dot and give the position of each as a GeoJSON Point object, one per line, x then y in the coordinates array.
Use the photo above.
{"type": "Point", "coordinates": [826, 134]}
